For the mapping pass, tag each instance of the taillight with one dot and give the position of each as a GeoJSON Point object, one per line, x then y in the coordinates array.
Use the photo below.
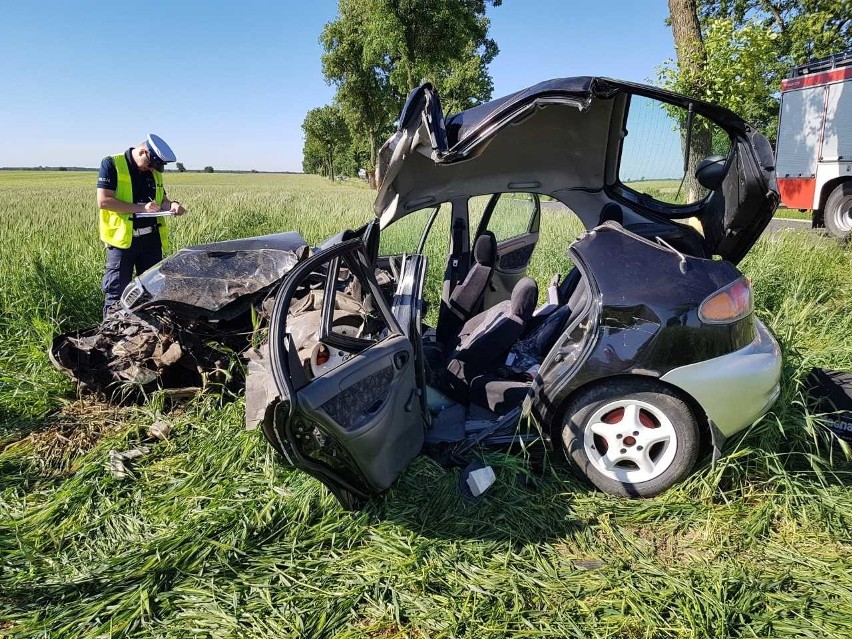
{"type": "Point", "coordinates": [728, 304]}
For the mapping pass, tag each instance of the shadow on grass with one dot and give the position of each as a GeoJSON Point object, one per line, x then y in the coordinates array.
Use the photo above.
{"type": "Point", "coordinates": [529, 502]}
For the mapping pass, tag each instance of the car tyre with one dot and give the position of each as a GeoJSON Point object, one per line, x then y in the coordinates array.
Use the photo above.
{"type": "Point", "coordinates": [838, 211]}
{"type": "Point", "coordinates": [633, 437]}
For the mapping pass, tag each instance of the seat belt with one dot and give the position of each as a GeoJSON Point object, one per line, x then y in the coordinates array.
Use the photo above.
{"type": "Point", "coordinates": [455, 256]}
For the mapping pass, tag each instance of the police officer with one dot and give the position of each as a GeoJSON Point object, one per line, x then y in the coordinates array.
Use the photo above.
{"type": "Point", "coordinates": [131, 183]}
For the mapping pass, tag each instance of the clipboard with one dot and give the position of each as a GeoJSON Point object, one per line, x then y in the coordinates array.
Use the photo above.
{"type": "Point", "coordinates": [146, 214]}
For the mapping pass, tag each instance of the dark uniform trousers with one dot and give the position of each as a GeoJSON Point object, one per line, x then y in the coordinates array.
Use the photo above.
{"type": "Point", "coordinates": [143, 253]}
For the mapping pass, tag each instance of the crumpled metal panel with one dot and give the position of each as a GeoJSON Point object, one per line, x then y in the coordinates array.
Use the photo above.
{"type": "Point", "coordinates": [261, 391]}
{"type": "Point", "coordinates": [211, 276]}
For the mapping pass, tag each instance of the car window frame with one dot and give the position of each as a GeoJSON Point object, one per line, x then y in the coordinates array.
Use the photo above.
{"type": "Point", "coordinates": [356, 262]}
{"type": "Point", "coordinates": [533, 225]}
{"type": "Point", "coordinates": [621, 192]}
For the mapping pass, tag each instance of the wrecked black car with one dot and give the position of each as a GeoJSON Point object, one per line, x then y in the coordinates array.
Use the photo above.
{"type": "Point", "coordinates": [180, 323]}
{"type": "Point", "coordinates": [643, 353]}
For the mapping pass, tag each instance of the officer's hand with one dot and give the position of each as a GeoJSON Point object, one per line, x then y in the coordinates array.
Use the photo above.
{"type": "Point", "coordinates": [152, 207]}
{"type": "Point", "coordinates": [177, 208]}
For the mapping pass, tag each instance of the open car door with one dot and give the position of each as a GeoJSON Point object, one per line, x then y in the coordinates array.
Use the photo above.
{"type": "Point", "coordinates": [350, 412]}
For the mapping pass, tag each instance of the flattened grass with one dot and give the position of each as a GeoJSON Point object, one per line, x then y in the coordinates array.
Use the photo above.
{"type": "Point", "coordinates": [214, 537]}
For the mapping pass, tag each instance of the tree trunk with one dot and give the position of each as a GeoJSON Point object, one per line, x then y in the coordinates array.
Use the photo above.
{"type": "Point", "coordinates": [700, 147]}
{"type": "Point", "coordinates": [691, 62]}
{"type": "Point", "coordinates": [330, 164]}
{"type": "Point", "coordinates": [689, 45]}
{"type": "Point", "coordinates": [371, 169]}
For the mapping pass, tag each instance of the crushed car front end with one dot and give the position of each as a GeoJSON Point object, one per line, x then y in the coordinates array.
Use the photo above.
{"type": "Point", "coordinates": [183, 323]}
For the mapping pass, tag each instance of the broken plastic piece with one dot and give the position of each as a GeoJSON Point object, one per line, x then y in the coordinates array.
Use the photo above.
{"type": "Point", "coordinates": [480, 480]}
{"type": "Point", "coordinates": [160, 430]}
{"type": "Point", "coordinates": [118, 461]}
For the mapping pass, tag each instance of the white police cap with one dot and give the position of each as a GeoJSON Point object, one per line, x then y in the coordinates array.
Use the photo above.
{"type": "Point", "coordinates": [158, 147]}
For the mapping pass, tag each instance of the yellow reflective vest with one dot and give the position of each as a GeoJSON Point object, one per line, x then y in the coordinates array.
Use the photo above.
{"type": "Point", "coordinates": [116, 229]}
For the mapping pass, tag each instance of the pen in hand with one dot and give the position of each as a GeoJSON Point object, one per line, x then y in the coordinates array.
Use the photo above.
{"type": "Point", "coordinates": [149, 208]}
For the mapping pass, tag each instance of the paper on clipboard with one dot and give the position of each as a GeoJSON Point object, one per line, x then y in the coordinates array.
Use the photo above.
{"type": "Point", "coordinates": [153, 214]}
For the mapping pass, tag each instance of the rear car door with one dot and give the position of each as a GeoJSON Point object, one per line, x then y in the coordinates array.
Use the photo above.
{"type": "Point", "coordinates": [350, 411]}
{"type": "Point", "coordinates": [514, 218]}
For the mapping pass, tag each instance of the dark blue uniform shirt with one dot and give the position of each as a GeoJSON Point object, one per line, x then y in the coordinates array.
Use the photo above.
{"type": "Point", "coordinates": [144, 187]}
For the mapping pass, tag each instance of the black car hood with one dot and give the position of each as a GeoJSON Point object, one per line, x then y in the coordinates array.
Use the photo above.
{"type": "Point", "coordinates": [552, 138]}
{"type": "Point", "coordinates": [209, 277]}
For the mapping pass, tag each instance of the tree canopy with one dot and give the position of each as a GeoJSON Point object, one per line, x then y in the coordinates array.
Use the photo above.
{"type": "Point", "coordinates": [745, 47]}
{"type": "Point", "coordinates": [326, 136]}
{"type": "Point", "coordinates": [376, 51]}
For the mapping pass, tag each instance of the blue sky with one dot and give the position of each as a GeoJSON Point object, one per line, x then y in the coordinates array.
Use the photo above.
{"type": "Point", "coordinates": [228, 83]}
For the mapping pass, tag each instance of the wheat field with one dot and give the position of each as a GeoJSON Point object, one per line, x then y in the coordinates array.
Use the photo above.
{"type": "Point", "coordinates": [212, 536]}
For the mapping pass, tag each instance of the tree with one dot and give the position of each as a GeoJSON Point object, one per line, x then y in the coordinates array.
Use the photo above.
{"type": "Point", "coordinates": [366, 98]}
{"type": "Point", "coordinates": [805, 29]}
{"type": "Point", "coordinates": [326, 133]}
{"type": "Point", "coordinates": [180, 167]}
{"type": "Point", "coordinates": [420, 38]}
{"type": "Point", "coordinates": [208, 169]}
{"type": "Point", "coordinates": [313, 156]}
{"type": "Point", "coordinates": [379, 50]}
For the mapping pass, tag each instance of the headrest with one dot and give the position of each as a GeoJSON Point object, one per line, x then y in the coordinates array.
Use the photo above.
{"type": "Point", "coordinates": [485, 249]}
{"type": "Point", "coordinates": [524, 298]}
{"type": "Point", "coordinates": [611, 212]}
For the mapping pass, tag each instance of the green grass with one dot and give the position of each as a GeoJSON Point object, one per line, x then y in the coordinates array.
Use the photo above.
{"type": "Point", "coordinates": [666, 191]}
{"type": "Point", "coordinates": [793, 214]}
{"type": "Point", "coordinates": [213, 537]}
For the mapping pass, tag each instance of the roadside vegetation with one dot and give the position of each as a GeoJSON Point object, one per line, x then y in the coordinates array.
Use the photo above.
{"type": "Point", "coordinates": [212, 536]}
{"type": "Point", "coordinates": [666, 191]}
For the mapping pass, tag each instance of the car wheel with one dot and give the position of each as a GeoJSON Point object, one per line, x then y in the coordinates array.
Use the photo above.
{"type": "Point", "coordinates": [838, 211]}
{"type": "Point", "coordinates": [631, 437]}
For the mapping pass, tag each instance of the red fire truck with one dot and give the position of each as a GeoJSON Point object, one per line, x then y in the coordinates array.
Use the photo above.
{"type": "Point", "coordinates": [814, 150]}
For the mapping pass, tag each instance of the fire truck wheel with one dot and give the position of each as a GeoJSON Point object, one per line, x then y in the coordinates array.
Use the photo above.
{"type": "Point", "coordinates": [838, 211]}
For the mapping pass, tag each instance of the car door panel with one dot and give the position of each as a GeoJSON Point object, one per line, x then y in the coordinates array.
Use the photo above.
{"type": "Point", "coordinates": [370, 405]}
{"type": "Point", "coordinates": [358, 425]}
{"type": "Point", "coordinates": [407, 308]}
{"type": "Point", "coordinates": [513, 258]}
{"type": "Point", "coordinates": [513, 253]}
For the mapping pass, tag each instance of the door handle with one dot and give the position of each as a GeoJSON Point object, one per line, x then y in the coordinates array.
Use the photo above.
{"type": "Point", "coordinates": [414, 394]}
{"type": "Point", "coordinates": [400, 360]}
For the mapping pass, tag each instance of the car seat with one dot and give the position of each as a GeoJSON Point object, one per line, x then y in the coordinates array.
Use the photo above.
{"type": "Point", "coordinates": [486, 339]}
{"type": "Point", "coordinates": [466, 298]}
{"type": "Point", "coordinates": [500, 393]}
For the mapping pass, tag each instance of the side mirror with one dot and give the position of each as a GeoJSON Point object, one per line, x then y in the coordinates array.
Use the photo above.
{"type": "Point", "coordinates": [711, 171]}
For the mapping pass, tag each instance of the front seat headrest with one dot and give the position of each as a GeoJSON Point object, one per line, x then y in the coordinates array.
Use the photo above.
{"type": "Point", "coordinates": [524, 298]}
{"type": "Point", "coordinates": [611, 212]}
{"type": "Point", "coordinates": [485, 249]}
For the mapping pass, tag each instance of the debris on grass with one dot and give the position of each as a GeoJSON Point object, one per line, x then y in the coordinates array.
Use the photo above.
{"type": "Point", "coordinates": [119, 462]}
{"type": "Point", "coordinates": [476, 479]}
{"type": "Point", "coordinates": [70, 433]}
{"type": "Point", "coordinates": [160, 430]}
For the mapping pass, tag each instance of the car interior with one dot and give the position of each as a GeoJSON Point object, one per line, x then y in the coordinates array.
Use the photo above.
{"type": "Point", "coordinates": [479, 352]}
{"type": "Point", "coordinates": [482, 355]}
{"type": "Point", "coordinates": [495, 324]}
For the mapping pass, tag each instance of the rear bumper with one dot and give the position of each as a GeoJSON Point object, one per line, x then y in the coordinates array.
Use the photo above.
{"type": "Point", "coordinates": [736, 389]}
